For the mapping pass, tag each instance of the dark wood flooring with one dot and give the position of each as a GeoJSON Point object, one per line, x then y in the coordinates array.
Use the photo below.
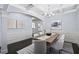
{"type": "Point", "coordinates": [12, 48]}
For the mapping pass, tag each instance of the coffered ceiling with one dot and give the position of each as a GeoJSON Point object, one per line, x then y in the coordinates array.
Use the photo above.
{"type": "Point", "coordinates": [51, 9]}
{"type": "Point", "coordinates": [46, 9]}
{"type": "Point", "coordinates": [55, 8]}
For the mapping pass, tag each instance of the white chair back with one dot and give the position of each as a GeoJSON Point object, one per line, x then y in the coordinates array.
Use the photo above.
{"type": "Point", "coordinates": [36, 35]}
{"type": "Point", "coordinates": [59, 44]}
{"type": "Point", "coordinates": [39, 47]}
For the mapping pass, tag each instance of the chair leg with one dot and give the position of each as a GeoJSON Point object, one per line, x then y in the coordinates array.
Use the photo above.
{"type": "Point", "coordinates": [64, 51]}
{"type": "Point", "coordinates": [60, 51]}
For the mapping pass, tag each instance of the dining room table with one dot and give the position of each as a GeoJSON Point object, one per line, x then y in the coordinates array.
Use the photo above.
{"type": "Point", "coordinates": [49, 39]}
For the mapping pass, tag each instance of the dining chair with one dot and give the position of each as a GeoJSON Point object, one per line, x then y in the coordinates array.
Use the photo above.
{"type": "Point", "coordinates": [58, 45]}
{"type": "Point", "coordinates": [39, 46]}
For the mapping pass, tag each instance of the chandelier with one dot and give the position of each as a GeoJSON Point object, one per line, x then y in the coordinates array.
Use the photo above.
{"type": "Point", "coordinates": [49, 13]}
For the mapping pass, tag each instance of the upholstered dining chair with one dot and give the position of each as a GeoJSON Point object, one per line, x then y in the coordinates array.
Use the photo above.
{"type": "Point", "coordinates": [37, 47]}
{"type": "Point", "coordinates": [58, 45]}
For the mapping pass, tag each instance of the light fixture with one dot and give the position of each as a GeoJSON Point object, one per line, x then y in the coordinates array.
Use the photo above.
{"type": "Point", "coordinates": [49, 13]}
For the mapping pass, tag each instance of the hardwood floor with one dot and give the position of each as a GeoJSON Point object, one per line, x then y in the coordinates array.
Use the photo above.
{"type": "Point", "coordinates": [12, 48]}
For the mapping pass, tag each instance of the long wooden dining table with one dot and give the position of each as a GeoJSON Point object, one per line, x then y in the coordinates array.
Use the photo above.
{"type": "Point", "coordinates": [49, 39]}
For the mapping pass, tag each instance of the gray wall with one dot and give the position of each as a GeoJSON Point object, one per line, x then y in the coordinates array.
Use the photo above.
{"type": "Point", "coordinates": [69, 22]}
{"type": "Point", "coordinates": [70, 27]}
{"type": "Point", "coordinates": [78, 18]}
{"type": "Point", "coordinates": [15, 35]}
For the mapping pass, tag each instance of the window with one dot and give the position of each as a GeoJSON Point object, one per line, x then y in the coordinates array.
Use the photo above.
{"type": "Point", "coordinates": [33, 25]}
{"type": "Point", "coordinates": [39, 27]}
